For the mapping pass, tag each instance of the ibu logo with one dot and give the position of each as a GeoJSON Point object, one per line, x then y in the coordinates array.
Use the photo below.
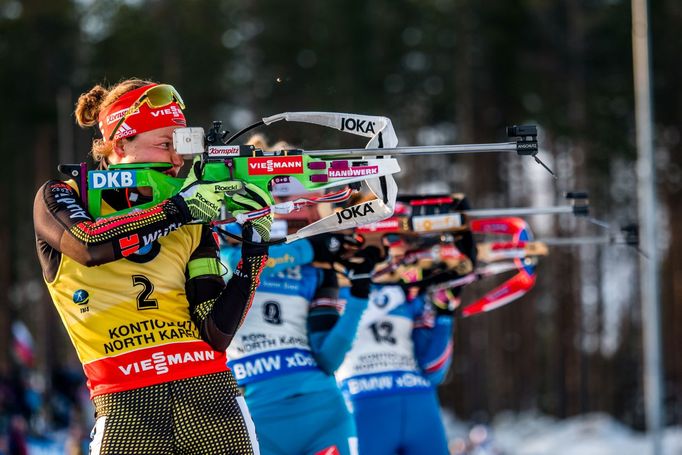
{"type": "Point", "coordinates": [81, 297]}
{"type": "Point", "coordinates": [108, 180]}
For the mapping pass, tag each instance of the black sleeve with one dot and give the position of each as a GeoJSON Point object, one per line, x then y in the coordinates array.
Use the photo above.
{"type": "Point", "coordinates": [465, 241]}
{"type": "Point", "coordinates": [64, 226]}
{"type": "Point", "coordinates": [218, 309]}
{"type": "Point", "coordinates": [324, 309]}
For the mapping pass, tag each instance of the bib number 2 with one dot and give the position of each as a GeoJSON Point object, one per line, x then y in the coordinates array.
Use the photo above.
{"type": "Point", "coordinates": [144, 302]}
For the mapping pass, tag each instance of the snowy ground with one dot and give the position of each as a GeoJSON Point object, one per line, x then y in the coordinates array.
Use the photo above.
{"type": "Point", "coordinates": [516, 434]}
{"type": "Point", "coordinates": [534, 434]}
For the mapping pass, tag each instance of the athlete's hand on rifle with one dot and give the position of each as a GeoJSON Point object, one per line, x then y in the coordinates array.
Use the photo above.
{"type": "Point", "coordinates": [360, 268]}
{"type": "Point", "coordinates": [333, 247]}
{"type": "Point", "coordinates": [445, 301]}
{"type": "Point", "coordinates": [203, 199]}
{"type": "Point", "coordinates": [255, 199]}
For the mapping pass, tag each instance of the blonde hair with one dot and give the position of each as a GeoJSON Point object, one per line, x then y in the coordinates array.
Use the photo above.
{"type": "Point", "coordinates": [91, 103]}
{"type": "Point", "coordinates": [260, 142]}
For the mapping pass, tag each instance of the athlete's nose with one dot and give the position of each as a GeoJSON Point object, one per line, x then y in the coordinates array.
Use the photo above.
{"type": "Point", "coordinates": [177, 160]}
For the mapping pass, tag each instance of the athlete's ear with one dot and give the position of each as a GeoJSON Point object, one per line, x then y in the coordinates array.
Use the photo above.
{"type": "Point", "coordinates": [119, 147]}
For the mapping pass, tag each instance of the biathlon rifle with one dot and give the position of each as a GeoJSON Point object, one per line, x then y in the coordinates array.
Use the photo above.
{"type": "Point", "coordinates": [520, 254]}
{"type": "Point", "coordinates": [513, 249]}
{"type": "Point", "coordinates": [512, 255]}
{"type": "Point", "coordinates": [441, 214]}
{"type": "Point", "coordinates": [307, 170]}
{"type": "Point", "coordinates": [420, 215]}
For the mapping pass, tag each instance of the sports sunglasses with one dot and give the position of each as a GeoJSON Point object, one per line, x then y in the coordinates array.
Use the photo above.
{"type": "Point", "coordinates": [155, 97]}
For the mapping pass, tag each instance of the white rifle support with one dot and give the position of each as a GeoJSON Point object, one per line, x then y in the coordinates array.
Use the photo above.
{"type": "Point", "coordinates": [381, 133]}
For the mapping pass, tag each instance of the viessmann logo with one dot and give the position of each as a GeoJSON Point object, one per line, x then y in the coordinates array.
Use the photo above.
{"type": "Point", "coordinates": [172, 110]}
{"type": "Point", "coordinates": [160, 362]}
{"type": "Point", "coordinates": [279, 165]}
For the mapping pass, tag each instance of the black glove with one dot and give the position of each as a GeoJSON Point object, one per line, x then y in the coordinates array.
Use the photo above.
{"type": "Point", "coordinates": [329, 285]}
{"type": "Point", "coordinates": [362, 265]}
{"type": "Point", "coordinates": [465, 242]}
{"type": "Point", "coordinates": [330, 247]}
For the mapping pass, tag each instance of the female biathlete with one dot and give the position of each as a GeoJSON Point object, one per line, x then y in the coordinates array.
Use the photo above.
{"type": "Point", "coordinates": [294, 338]}
{"type": "Point", "coordinates": [400, 355]}
{"type": "Point", "coordinates": [152, 321]}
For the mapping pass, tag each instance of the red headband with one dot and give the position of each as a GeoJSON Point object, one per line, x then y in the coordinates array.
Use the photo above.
{"type": "Point", "coordinates": [143, 119]}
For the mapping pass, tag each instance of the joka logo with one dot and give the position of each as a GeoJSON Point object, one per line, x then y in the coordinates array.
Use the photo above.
{"type": "Point", "coordinates": [107, 180]}
{"type": "Point", "coordinates": [280, 165]}
{"type": "Point", "coordinates": [356, 211]}
{"type": "Point", "coordinates": [81, 297]}
{"type": "Point", "coordinates": [362, 126]}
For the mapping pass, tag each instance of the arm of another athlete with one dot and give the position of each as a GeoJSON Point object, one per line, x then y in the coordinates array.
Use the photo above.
{"type": "Point", "coordinates": [323, 248]}
{"type": "Point", "coordinates": [280, 257]}
{"type": "Point", "coordinates": [63, 225]}
{"type": "Point", "coordinates": [333, 323]}
{"type": "Point", "coordinates": [432, 336]}
{"type": "Point", "coordinates": [218, 308]}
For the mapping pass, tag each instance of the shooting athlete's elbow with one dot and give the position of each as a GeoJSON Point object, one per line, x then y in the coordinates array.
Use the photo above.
{"type": "Point", "coordinates": [92, 261]}
{"type": "Point", "coordinates": [88, 257]}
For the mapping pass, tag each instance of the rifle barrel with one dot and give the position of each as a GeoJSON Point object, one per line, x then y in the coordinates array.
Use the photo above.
{"type": "Point", "coordinates": [518, 211]}
{"type": "Point", "coordinates": [419, 150]}
{"type": "Point", "coordinates": [577, 241]}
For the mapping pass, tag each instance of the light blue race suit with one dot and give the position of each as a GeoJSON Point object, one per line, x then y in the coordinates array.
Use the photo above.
{"type": "Point", "coordinates": [284, 355]}
{"type": "Point", "coordinates": [401, 353]}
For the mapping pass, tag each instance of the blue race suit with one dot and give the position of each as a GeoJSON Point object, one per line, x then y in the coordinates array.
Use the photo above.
{"type": "Point", "coordinates": [285, 354]}
{"type": "Point", "coordinates": [401, 353]}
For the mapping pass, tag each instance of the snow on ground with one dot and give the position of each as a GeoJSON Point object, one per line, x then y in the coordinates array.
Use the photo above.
{"type": "Point", "coordinates": [527, 433]}
{"type": "Point", "coordinates": [534, 434]}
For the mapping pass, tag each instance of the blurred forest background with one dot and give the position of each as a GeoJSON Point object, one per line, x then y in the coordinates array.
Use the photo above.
{"type": "Point", "coordinates": [445, 71]}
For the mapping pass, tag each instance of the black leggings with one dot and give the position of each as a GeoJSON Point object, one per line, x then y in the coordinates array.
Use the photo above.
{"type": "Point", "coordinates": [199, 415]}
